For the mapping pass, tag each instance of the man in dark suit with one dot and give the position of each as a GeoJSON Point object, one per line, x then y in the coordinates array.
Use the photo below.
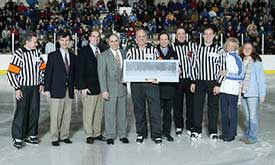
{"type": "Point", "coordinates": [88, 84]}
{"type": "Point", "coordinates": [113, 91]}
{"type": "Point", "coordinates": [167, 90]}
{"type": "Point", "coordinates": [59, 86]}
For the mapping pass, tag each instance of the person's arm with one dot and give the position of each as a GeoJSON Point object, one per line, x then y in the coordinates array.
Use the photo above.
{"type": "Point", "coordinates": [42, 68]}
{"type": "Point", "coordinates": [129, 55]}
{"type": "Point", "coordinates": [240, 74]}
{"type": "Point", "coordinates": [194, 68]}
{"type": "Point", "coordinates": [14, 69]}
{"type": "Point", "coordinates": [80, 70]}
{"type": "Point", "coordinates": [48, 75]}
{"type": "Point", "coordinates": [222, 66]}
{"type": "Point", "coordinates": [261, 81]}
{"type": "Point", "coordinates": [102, 71]}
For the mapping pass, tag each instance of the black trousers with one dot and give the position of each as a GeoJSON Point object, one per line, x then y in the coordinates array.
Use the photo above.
{"type": "Point", "coordinates": [203, 87]}
{"type": "Point", "coordinates": [166, 106]}
{"type": "Point", "coordinates": [142, 92]}
{"type": "Point", "coordinates": [25, 121]}
{"type": "Point", "coordinates": [183, 89]}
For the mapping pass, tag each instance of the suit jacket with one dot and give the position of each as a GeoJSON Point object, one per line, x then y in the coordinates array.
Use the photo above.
{"type": "Point", "coordinates": [167, 90]}
{"type": "Point", "coordinates": [87, 71]}
{"type": "Point", "coordinates": [56, 80]}
{"type": "Point", "coordinates": [110, 74]}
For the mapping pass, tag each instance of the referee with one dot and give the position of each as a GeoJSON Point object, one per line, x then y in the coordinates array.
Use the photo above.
{"type": "Point", "coordinates": [145, 91]}
{"type": "Point", "coordinates": [25, 74]}
{"type": "Point", "coordinates": [185, 51]}
{"type": "Point", "coordinates": [208, 62]}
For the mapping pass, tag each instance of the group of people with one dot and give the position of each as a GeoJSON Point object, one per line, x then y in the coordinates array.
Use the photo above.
{"type": "Point", "coordinates": [250, 19]}
{"type": "Point", "coordinates": [64, 76]}
{"type": "Point", "coordinates": [95, 74]}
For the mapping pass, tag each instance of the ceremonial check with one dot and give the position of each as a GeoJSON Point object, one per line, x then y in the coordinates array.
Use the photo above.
{"type": "Point", "coordinates": [151, 70]}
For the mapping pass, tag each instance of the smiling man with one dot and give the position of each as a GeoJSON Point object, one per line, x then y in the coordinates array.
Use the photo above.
{"type": "Point", "coordinates": [88, 84]}
{"type": "Point", "coordinates": [206, 78]}
{"type": "Point", "coordinates": [113, 91]}
{"type": "Point", "coordinates": [59, 87]}
{"type": "Point", "coordinates": [25, 74]}
{"type": "Point", "coordinates": [142, 91]}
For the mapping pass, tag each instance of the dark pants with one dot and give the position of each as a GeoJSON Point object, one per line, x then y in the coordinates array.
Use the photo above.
{"type": "Point", "coordinates": [183, 88]}
{"type": "Point", "coordinates": [140, 93]}
{"type": "Point", "coordinates": [166, 106]}
{"type": "Point", "coordinates": [203, 87]}
{"type": "Point", "coordinates": [25, 121]}
{"type": "Point", "coordinates": [229, 114]}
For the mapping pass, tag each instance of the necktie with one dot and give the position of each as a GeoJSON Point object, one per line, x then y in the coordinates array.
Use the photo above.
{"type": "Point", "coordinates": [66, 63]}
{"type": "Point", "coordinates": [96, 52]}
{"type": "Point", "coordinates": [118, 58]}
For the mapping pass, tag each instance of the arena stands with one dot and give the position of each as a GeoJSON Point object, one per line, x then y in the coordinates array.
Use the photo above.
{"type": "Point", "coordinates": [247, 21]}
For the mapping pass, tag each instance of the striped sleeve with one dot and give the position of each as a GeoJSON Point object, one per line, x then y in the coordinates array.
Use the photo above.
{"type": "Point", "coordinates": [14, 69]}
{"type": "Point", "coordinates": [156, 53]}
{"type": "Point", "coordinates": [129, 54]}
{"type": "Point", "coordinates": [194, 67]}
{"type": "Point", "coordinates": [222, 65]}
{"type": "Point", "coordinates": [42, 68]}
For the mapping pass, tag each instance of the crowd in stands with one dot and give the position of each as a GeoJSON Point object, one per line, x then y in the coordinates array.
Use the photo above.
{"type": "Point", "coordinates": [232, 19]}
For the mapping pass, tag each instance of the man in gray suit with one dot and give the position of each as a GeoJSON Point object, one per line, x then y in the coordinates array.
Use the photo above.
{"type": "Point", "coordinates": [114, 92]}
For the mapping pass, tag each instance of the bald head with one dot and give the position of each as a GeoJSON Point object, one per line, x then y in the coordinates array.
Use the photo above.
{"type": "Point", "coordinates": [141, 38]}
{"type": "Point", "coordinates": [113, 41]}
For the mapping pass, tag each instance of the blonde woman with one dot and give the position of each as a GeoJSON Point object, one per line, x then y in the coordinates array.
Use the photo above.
{"type": "Point", "coordinates": [229, 90]}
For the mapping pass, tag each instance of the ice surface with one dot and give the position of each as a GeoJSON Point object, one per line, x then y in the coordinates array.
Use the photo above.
{"type": "Point", "coordinates": [180, 152]}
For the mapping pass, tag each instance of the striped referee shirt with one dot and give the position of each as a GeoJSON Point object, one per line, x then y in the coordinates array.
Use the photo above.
{"type": "Point", "coordinates": [147, 53]}
{"type": "Point", "coordinates": [26, 68]}
{"type": "Point", "coordinates": [208, 62]}
{"type": "Point", "coordinates": [185, 52]}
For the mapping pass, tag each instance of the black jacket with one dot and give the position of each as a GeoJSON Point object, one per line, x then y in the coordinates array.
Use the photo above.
{"type": "Point", "coordinates": [167, 90]}
{"type": "Point", "coordinates": [56, 80]}
{"type": "Point", "coordinates": [87, 76]}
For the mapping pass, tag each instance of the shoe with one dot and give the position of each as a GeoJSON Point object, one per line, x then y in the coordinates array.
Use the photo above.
{"type": "Point", "coordinates": [158, 141]}
{"type": "Point", "coordinates": [178, 131]}
{"type": "Point", "coordinates": [188, 132]}
{"type": "Point", "coordinates": [140, 139]}
{"type": "Point", "coordinates": [243, 139]}
{"type": "Point", "coordinates": [18, 144]}
{"type": "Point", "coordinates": [169, 138]}
{"type": "Point", "coordinates": [229, 139]}
{"type": "Point", "coordinates": [55, 143]}
{"type": "Point", "coordinates": [214, 137]}
{"type": "Point", "coordinates": [32, 140]}
{"type": "Point", "coordinates": [194, 136]}
{"type": "Point", "coordinates": [90, 140]}
{"type": "Point", "coordinates": [100, 137]}
{"type": "Point", "coordinates": [221, 137]}
{"type": "Point", "coordinates": [124, 140]}
{"type": "Point", "coordinates": [67, 141]}
{"type": "Point", "coordinates": [247, 141]}
{"type": "Point", "coordinates": [110, 141]}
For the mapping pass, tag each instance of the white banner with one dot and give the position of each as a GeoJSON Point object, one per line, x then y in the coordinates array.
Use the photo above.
{"type": "Point", "coordinates": [151, 70]}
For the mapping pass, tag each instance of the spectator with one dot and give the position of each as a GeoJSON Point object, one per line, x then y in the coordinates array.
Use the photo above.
{"type": "Point", "coordinates": [111, 5]}
{"type": "Point", "coordinates": [101, 5]}
{"type": "Point", "coordinates": [50, 47]}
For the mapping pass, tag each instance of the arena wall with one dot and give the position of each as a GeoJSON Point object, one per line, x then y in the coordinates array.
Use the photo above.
{"type": "Point", "coordinates": [268, 61]}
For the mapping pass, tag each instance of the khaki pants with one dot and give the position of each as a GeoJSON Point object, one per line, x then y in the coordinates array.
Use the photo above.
{"type": "Point", "coordinates": [92, 115]}
{"type": "Point", "coordinates": [60, 114]}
